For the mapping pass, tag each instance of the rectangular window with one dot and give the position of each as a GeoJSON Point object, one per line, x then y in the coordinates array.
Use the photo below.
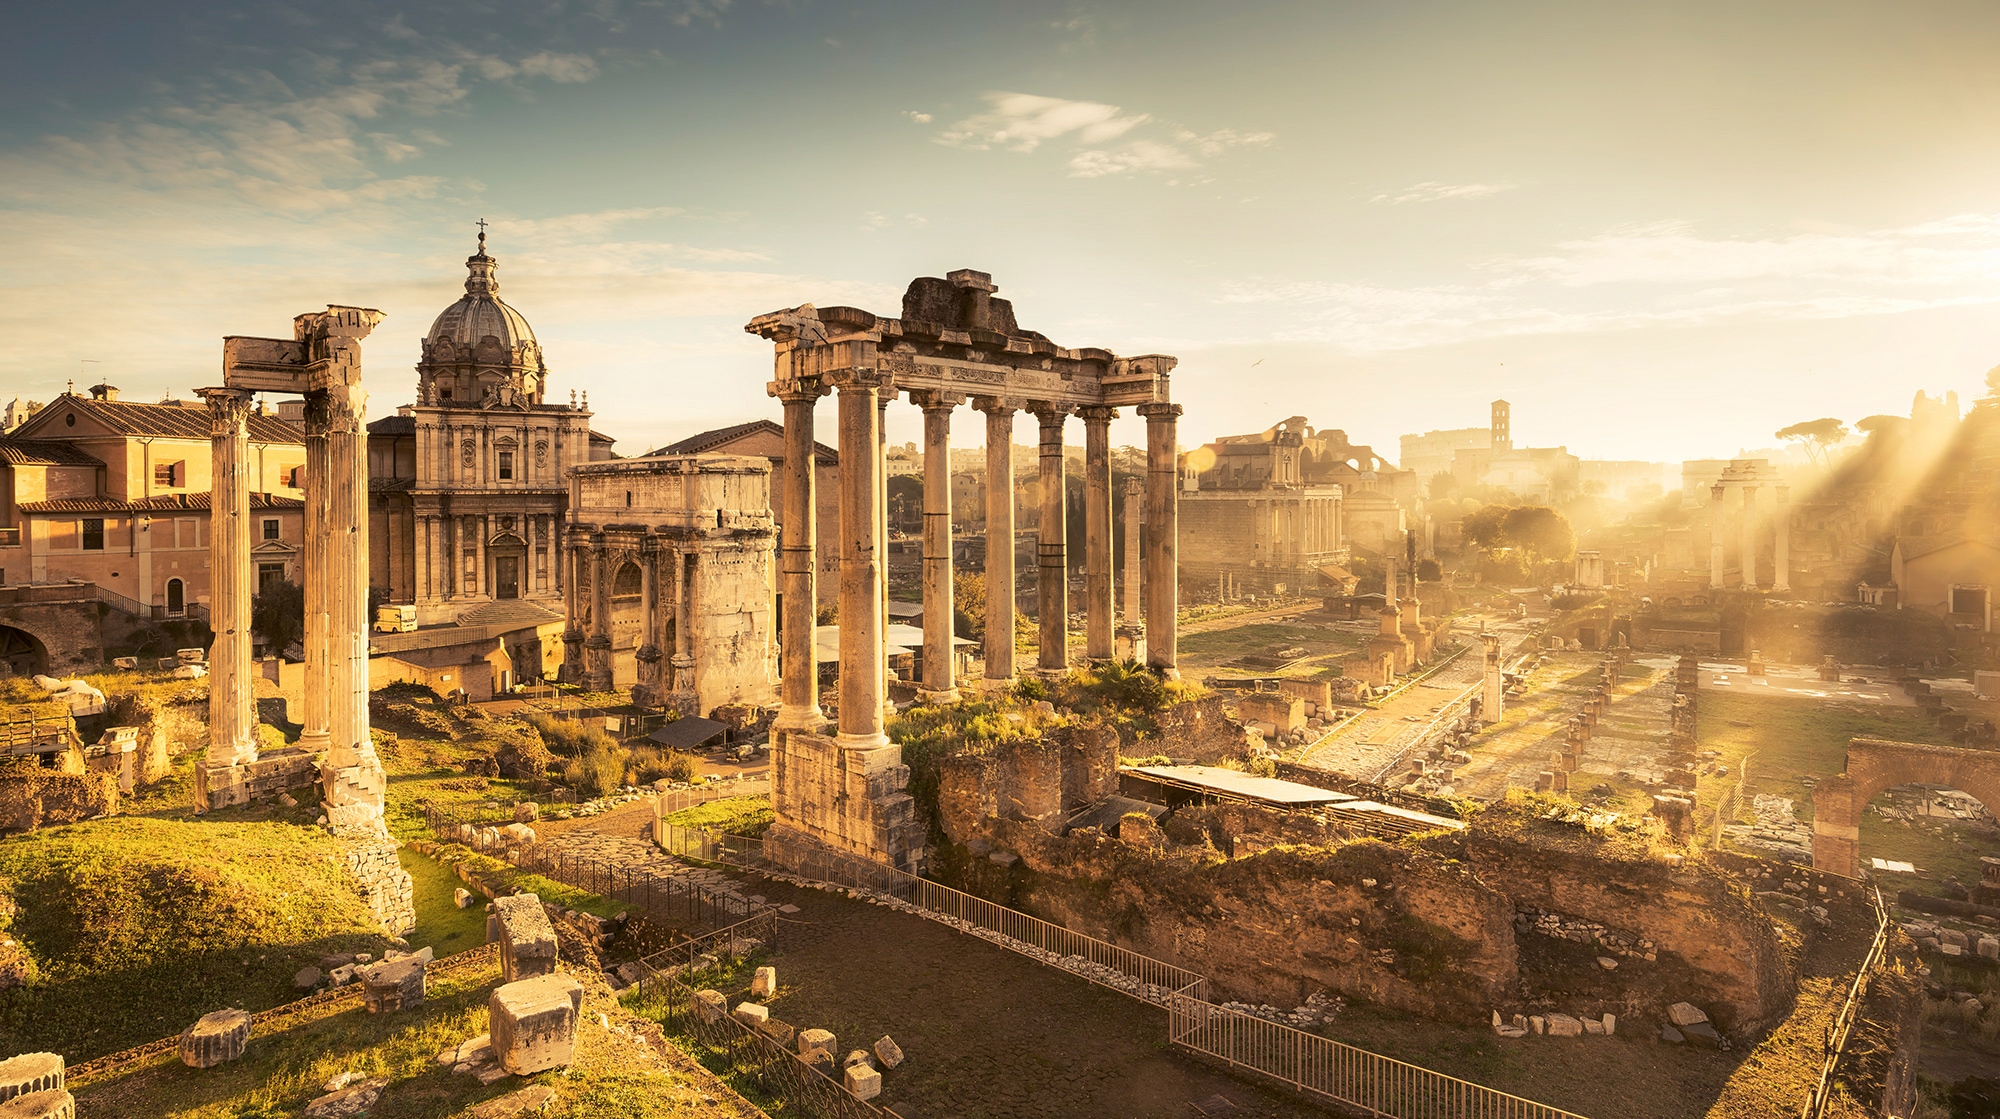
{"type": "Point", "coordinates": [270, 528]}
{"type": "Point", "coordinates": [506, 466]}
{"type": "Point", "coordinates": [269, 575]}
{"type": "Point", "coordinates": [93, 534]}
{"type": "Point", "coordinates": [168, 475]}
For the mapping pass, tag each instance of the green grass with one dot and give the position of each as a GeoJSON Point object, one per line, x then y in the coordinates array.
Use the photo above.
{"type": "Point", "coordinates": [1791, 738]}
{"type": "Point", "coordinates": [505, 878]}
{"type": "Point", "coordinates": [731, 816]}
{"type": "Point", "coordinates": [441, 924]}
{"type": "Point", "coordinates": [1219, 646]}
{"type": "Point", "coordinates": [138, 926]}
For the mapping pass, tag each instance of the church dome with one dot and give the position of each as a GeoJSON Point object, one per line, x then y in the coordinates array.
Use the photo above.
{"type": "Point", "coordinates": [480, 349]}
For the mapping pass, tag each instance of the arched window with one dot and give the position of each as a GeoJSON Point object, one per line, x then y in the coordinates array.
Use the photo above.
{"type": "Point", "coordinates": [176, 597]}
{"type": "Point", "coordinates": [627, 583]}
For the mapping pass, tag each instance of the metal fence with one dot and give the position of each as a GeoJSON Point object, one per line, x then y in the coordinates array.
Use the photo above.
{"type": "Point", "coordinates": [1842, 1030]}
{"type": "Point", "coordinates": [674, 902]}
{"type": "Point", "coordinates": [1320, 1067]}
{"type": "Point", "coordinates": [666, 991]}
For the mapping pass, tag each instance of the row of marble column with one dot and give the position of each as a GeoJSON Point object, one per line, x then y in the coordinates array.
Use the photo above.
{"type": "Point", "coordinates": [335, 585]}
{"type": "Point", "coordinates": [863, 401]}
{"type": "Point", "coordinates": [591, 557]}
{"type": "Point", "coordinates": [1781, 546]}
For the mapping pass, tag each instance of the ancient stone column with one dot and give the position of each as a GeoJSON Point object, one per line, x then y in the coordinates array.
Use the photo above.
{"type": "Point", "coordinates": [572, 556]}
{"type": "Point", "coordinates": [1715, 537]}
{"type": "Point", "coordinates": [1099, 607]}
{"type": "Point", "coordinates": [1493, 695]}
{"type": "Point", "coordinates": [883, 396]}
{"type": "Point", "coordinates": [939, 684]}
{"type": "Point", "coordinates": [352, 775]}
{"type": "Point", "coordinates": [649, 684]}
{"type": "Point", "coordinates": [1781, 559]}
{"type": "Point", "coordinates": [1135, 514]}
{"type": "Point", "coordinates": [597, 647]}
{"type": "Point", "coordinates": [1749, 545]}
{"type": "Point", "coordinates": [999, 643]}
{"type": "Point", "coordinates": [1052, 588]}
{"type": "Point", "coordinates": [318, 516]}
{"type": "Point", "coordinates": [1162, 534]}
{"type": "Point", "coordinates": [861, 666]}
{"type": "Point", "coordinates": [232, 710]}
{"type": "Point", "coordinates": [684, 577]}
{"type": "Point", "coordinates": [798, 559]}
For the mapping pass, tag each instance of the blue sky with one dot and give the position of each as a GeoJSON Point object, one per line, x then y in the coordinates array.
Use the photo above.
{"type": "Point", "coordinates": [1661, 231]}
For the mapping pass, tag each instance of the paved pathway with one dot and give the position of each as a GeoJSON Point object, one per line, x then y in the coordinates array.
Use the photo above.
{"type": "Point", "coordinates": [1630, 738]}
{"type": "Point", "coordinates": [1367, 745]}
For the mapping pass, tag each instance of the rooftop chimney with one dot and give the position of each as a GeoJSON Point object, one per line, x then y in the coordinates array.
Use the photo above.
{"type": "Point", "coordinates": [104, 392]}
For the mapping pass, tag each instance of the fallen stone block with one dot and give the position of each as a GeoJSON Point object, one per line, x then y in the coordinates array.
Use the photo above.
{"type": "Point", "coordinates": [347, 1102]}
{"type": "Point", "coordinates": [518, 833]}
{"type": "Point", "coordinates": [474, 1051]}
{"type": "Point", "coordinates": [780, 1032]}
{"type": "Point", "coordinates": [1610, 1024]}
{"type": "Point", "coordinates": [816, 1041]}
{"type": "Point", "coordinates": [751, 1014]}
{"type": "Point", "coordinates": [1593, 1027]}
{"type": "Point", "coordinates": [1685, 1014]}
{"type": "Point", "coordinates": [462, 897]}
{"type": "Point", "coordinates": [527, 939]}
{"type": "Point", "coordinates": [525, 812]}
{"type": "Point", "coordinates": [863, 1081]}
{"type": "Point", "coordinates": [1672, 1036]}
{"type": "Point", "coordinates": [1538, 1023]}
{"type": "Point", "coordinates": [711, 1006]}
{"type": "Point", "coordinates": [216, 1037]}
{"type": "Point", "coordinates": [764, 984]}
{"type": "Point", "coordinates": [29, 1073]}
{"type": "Point", "coordinates": [50, 1103]}
{"type": "Point", "coordinates": [533, 1023]}
{"type": "Point", "coordinates": [527, 1101]}
{"type": "Point", "coordinates": [888, 1052]}
{"type": "Point", "coordinates": [341, 976]}
{"type": "Point", "coordinates": [857, 1057]}
{"type": "Point", "coordinates": [396, 984]}
{"type": "Point", "coordinates": [1562, 1025]}
{"type": "Point", "coordinates": [306, 978]}
{"type": "Point", "coordinates": [1510, 1031]}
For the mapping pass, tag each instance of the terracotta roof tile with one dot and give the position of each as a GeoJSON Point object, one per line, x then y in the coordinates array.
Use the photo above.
{"type": "Point", "coordinates": [165, 503]}
{"type": "Point", "coordinates": [43, 452]}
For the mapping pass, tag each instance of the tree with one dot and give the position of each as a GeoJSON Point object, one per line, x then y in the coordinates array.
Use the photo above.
{"type": "Point", "coordinates": [1540, 531]}
{"type": "Point", "coordinates": [1483, 526]}
{"type": "Point", "coordinates": [1816, 437]}
{"type": "Point", "coordinates": [1443, 484]}
{"type": "Point", "coordinates": [968, 599]}
{"type": "Point", "coordinates": [278, 613]}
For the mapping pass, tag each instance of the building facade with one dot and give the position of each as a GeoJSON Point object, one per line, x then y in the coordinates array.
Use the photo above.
{"type": "Point", "coordinates": [467, 486]}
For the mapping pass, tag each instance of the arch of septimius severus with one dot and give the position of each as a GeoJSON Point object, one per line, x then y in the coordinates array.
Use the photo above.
{"type": "Point", "coordinates": [954, 343]}
{"type": "Point", "coordinates": [322, 361]}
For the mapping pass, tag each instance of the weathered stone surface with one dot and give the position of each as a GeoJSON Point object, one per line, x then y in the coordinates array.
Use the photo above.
{"type": "Point", "coordinates": [780, 1032]}
{"type": "Point", "coordinates": [1562, 1025]}
{"type": "Point", "coordinates": [888, 1052]}
{"type": "Point", "coordinates": [1672, 1036]}
{"type": "Point", "coordinates": [347, 1102]}
{"type": "Point", "coordinates": [533, 1023]}
{"type": "Point", "coordinates": [1685, 1014]}
{"type": "Point", "coordinates": [306, 978]}
{"type": "Point", "coordinates": [711, 1006]}
{"type": "Point", "coordinates": [816, 1041]}
{"type": "Point", "coordinates": [30, 1072]}
{"type": "Point", "coordinates": [49, 1103]}
{"type": "Point", "coordinates": [527, 1101]}
{"type": "Point", "coordinates": [462, 896]}
{"type": "Point", "coordinates": [751, 1014]}
{"type": "Point", "coordinates": [857, 1057]}
{"type": "Point", "coordinates": [765, 983]}
{"type": "Point", "coordinates": [527, 939]}
{"type": "Point", "coordinates": [863, 1081]}
{"type": "Point", "coordinates": [1610, 1024]}
{"type": "Point", "coordinates": [394, 984]}
{"type": "Point", "coordinates": [217, 1037]}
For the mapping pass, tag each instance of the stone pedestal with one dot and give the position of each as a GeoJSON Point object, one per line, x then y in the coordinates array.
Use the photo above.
{"type": "Point", "coordinates": [527, 939]}
{"type": "Point", "coordinates": [848, 799]}
{"type": "Point", "coordinates": [1129, 642]}
{"type": "Point", "coordinates": [51, 1103]}
{"type": "Point", "coordinates": [394, 984]}
{"type": "Point", "coordinates": [532, 1023]}
{"type": "Point", "coordinates": [218, 1037]}
{"type": "Point", "coordinates": [30, 1072]}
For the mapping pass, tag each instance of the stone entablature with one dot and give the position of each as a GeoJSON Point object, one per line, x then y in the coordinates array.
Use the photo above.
{"type": "Point", "coordinates": [954, 342]}
{"type": "Point", "coordinates": [671, 559]}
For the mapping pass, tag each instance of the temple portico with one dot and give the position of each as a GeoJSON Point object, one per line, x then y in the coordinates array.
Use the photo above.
{"type": "Point", "coordinates": [954, 343]}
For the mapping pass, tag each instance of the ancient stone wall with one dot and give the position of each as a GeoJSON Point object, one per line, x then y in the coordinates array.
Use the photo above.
{"type": "Point", "coordinates": [1199, 730]}
{"type": "Point", "coordinates": [1040, 781]}
{"type": "Point", "coordinates": [36, 800]}
{"type": "Point", "coordinates": [851, 800]}
{"type": "Point", "coordinates": [385, 885]}
{"type": "Point", "coordinates": [71, 633]}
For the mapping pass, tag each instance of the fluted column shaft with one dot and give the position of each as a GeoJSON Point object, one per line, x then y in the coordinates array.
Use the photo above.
{"type": "Point", "coordinates": [940, 684]}
{"type": "Point", "coordinates": [999, 645]}
{"type": "Point", "coordinates": [1099, 607]}
{"type": "Point", "coordinates": [1135, 514]}
{"type": "Point", "coordinates": [1749, 546]}
{"type": "Point", "coordinates": [798, 566]}
{"type": "Point", "coordinates": [883, 396]}
{"type": "Point", "coordinates": [861, 607]}
{"type": "Point", "coordinates": [1052, 588]}
{"type": "Point", "coordinates": [1162, 532]}
{"type": "Point", "coordinates": [1781, 577]}
{"type": "Point", "coordinates": [347, 578]}
{"type": "Point", "coordinates": [318, 517]}
{"type": "Point", "coordinates": [232, 712]}
{"type": "Point", "coordinates": [597, 647]}
{"type": "Point", "coordinates": [1715, 537]}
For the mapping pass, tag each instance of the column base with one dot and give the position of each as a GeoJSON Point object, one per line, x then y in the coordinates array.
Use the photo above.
{"type": "Point", "coordinates": [861, 741]}
{"type": "Point", "coordinates": [1129, 643]}
{"type": "Point", "coordinates": [809, 719]}
{"type": "Point", "coordinates": [938, 699]}
{"type": "Point", "coordinates": [315, 742]}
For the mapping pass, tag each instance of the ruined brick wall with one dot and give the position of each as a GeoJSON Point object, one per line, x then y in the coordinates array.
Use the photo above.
{"type": "Point", "coordinates": [1040, 781]}
{"type": "Point", "coordinates": [1199, 730]}
{"type": "Point", "coordinates": [36, 800]}
{"type": "Point", "coordinates": [71, 633]}
{"type": "Point", "coordinates": [385, 885]}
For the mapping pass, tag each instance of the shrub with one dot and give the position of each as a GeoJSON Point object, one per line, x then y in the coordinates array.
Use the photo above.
{"type": "Point", "coordinates": [570, 737]}
{"type": "Point", "coordinates": [596, 772]}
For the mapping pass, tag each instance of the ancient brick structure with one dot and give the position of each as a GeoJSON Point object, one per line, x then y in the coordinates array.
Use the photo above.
{"type": "Point", "coordinates": [1875, 764]}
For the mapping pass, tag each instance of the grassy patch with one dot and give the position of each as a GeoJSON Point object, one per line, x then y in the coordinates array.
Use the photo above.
{"type": "Point", "coordinates": [441, 924]}
{"type": "Point", "coordinates": [506, 878]}
{"type": "Point", "coordinates": [1793, 738]}
{"type": "Point", "coordinates": [138, 926]}
{"type": "Point", "coordinates": [1216, 647]}
{"type": "Point", "coordinates": [731, 816]}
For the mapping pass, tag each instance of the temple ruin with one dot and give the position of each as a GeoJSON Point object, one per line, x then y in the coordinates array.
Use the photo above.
{"type": "Point", "coordinates": [954, 342]}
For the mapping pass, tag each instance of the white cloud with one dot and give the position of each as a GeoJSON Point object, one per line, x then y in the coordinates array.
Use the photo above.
{"type": "Point", "coordinates": [559, 67]}
{"type": "Point", "coordinates": [1433, 192]}
{"type": "Point", "coordinates": [917, 117]}
{"type": "Point", "coordinates": [1023, 122]}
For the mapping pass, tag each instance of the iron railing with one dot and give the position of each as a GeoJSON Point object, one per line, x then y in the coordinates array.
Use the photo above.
{"type": "Point", "coordinates": [1321, 1067]}
{"type": "Point", "coordinates": [1842, 1030]}
{"type": "Point", "coordinates": [748, 1054]}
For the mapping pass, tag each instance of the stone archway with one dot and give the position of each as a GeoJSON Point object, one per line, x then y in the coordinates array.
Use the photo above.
{"type": "Point", "coordinates": [1875, 764]}
{"type": "Point", "coordinates": [21, 653]}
